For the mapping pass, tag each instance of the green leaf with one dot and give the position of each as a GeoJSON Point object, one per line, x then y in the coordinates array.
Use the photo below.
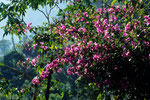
{"type": "Point", "coordinates": [38, 69]}
{"type": "Point", "coordinates": [19, 37]}
{"type": "Point", "coordinates": [99, 97]}
{"type": "Point", "coordinates": [125, 2]}
{"type": "Point", "coordinates": [62, 94]}
{"type": "Point", "coordinates": [106, 1]}
{"type": "Point", "coordinates": [113, 2]}
{"type": "Point", "coordinates": [2, 64]}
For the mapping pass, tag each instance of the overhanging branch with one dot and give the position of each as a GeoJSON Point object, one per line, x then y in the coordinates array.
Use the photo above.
{"type": "Point", "coordinates": [17, 71]}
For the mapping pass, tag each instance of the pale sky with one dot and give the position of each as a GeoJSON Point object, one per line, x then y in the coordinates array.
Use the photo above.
{"type": "Point", "coordinates": [5, 1]}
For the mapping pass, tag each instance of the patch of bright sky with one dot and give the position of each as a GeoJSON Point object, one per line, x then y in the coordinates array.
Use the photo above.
{"type": "Point", "coordinates": [36, 17]}
{"type": "Point", "coordinates": [5, 1]}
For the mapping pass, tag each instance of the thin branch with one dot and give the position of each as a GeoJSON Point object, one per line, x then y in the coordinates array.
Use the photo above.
{"type": "Point", "coordinates": [50, 10]}
{"type": "Point", "coordinates": [42, 12]}
{"type": "Point", "coordinates": [47, 17]}
{"type": "Point", "coordinates": [35, 93]}
{"type": "Point", "coordinates": [59, 7]}
{"type": "Point", "coordinates": [46, 10]}
{"type": "Point", "coordinates": [105, 3]}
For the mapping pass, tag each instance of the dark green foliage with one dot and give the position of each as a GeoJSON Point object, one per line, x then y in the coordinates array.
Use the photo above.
{"type": "Point", "coordinates": [11, 60]}
{"type": "Point", "coordinates": [69, 87]}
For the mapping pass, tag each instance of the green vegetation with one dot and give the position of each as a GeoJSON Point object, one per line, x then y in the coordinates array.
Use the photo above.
{"type": "Point", "coordinates": [93, 49]}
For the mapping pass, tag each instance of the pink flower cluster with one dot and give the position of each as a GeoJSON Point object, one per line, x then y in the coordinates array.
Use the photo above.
{"type": "Point", "coordinates": [19, 28]}
{"type": "Point", "coordinates": [53, 64]}
{"type": "Point", "coordinates": [97, 43]}
{"type": "Point", "coordinates": [147, 18]}
{"type": "Point", "coordinates": [28, 26]}
{"type": "Point", "coordinates": [22, 91]}
{"type": "Point", "coordinates": [35, 81]}
{"type": "Point", "coordinates": [34, 46]}
{"type": "Point", "coordinates": [103, 31]}
{"type": "Point", "coordinates": [34, 61]}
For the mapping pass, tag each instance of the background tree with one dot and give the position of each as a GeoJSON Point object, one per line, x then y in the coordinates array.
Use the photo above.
{"type": "Point", "coordinates": [4, 46]}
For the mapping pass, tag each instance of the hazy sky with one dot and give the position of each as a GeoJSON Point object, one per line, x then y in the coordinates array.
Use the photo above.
{"type": "Point", "coordinates": [36, 17]}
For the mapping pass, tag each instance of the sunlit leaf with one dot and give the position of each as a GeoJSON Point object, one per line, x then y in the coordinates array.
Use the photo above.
{"type": "Point", "coordinates": [113, 2]}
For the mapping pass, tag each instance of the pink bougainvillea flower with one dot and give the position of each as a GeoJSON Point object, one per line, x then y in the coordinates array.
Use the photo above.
{"type": "Point", "coordinates": [17, 25]}
{"type": "Point", "coordinates": [146, 43]}
{"type": "Point", "coordinates": [27, 59]}
{"type": "Point", "coordinates": [45, 47]}
{"type": "Point", "coordinates": [147, 18]}
{"type": "Point", "coordinates": [29, 49]}
{"type": "Point", "coordinates": [59, 70]}
{"type": "Point", "coordinates": [69, 3]}
{"type": "Point", "coordinates": [42, 47]}
{"type": "Point", "coordinates": [77, 15]}
{"type": "Point", "coordinates": [38, 56]}
{"type": "Point", "coordinates": [69, 71]}
{"type": "Point", "coordinates": [127, 27]}
{"type": "Point", "coordinates": [148, 21]}
{"type": "Point", "coordinates": [22, 91]}
{"type": "Point", "coordinates": [25, 31]}
{"type": "Point", "coordinates": [18, 30]}
{"type": "Point", "coordinates": [42, 43]}
{"type": "Point", "coordinates": [28, 26]}
{"type": "Point", "coordinates": [34, 61]}
{"type": "Point", "coordinates": [34, 45]}
{"type": "Point", "coordinates": [85, 70]}
{"type": "Point", "coordinates": [115, 68]}
{"type": "Point", "coordinates": [35, 81]}
{"type": "Point", "coordinates": [126, 54]}
{"type": "Point", "coordinates": [124, 34]}
{"type": "Point", "coordinates": [85, 13]}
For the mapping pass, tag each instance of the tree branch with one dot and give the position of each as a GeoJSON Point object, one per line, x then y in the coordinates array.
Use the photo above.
{"type": "Point", "coordinates": [19, 72]}
{"type": "Point", "coordinates": [59, 7]}
{"type": "Point", "coordinates": [35, 93]}
{"type": "Point", "coordinates": [50, 10]}
{"type": "Point", "coordinates": [48, 85]}
{"type": "Point", "coordinates": [105, 3]}
{"type": "Point", "coordinates": [42, 12]}
{"type": "Point", "coordinates": [47, 17]}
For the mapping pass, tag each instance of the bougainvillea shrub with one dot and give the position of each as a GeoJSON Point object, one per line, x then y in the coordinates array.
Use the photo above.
{"type": "Point", "coordinates": [110, 48]}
